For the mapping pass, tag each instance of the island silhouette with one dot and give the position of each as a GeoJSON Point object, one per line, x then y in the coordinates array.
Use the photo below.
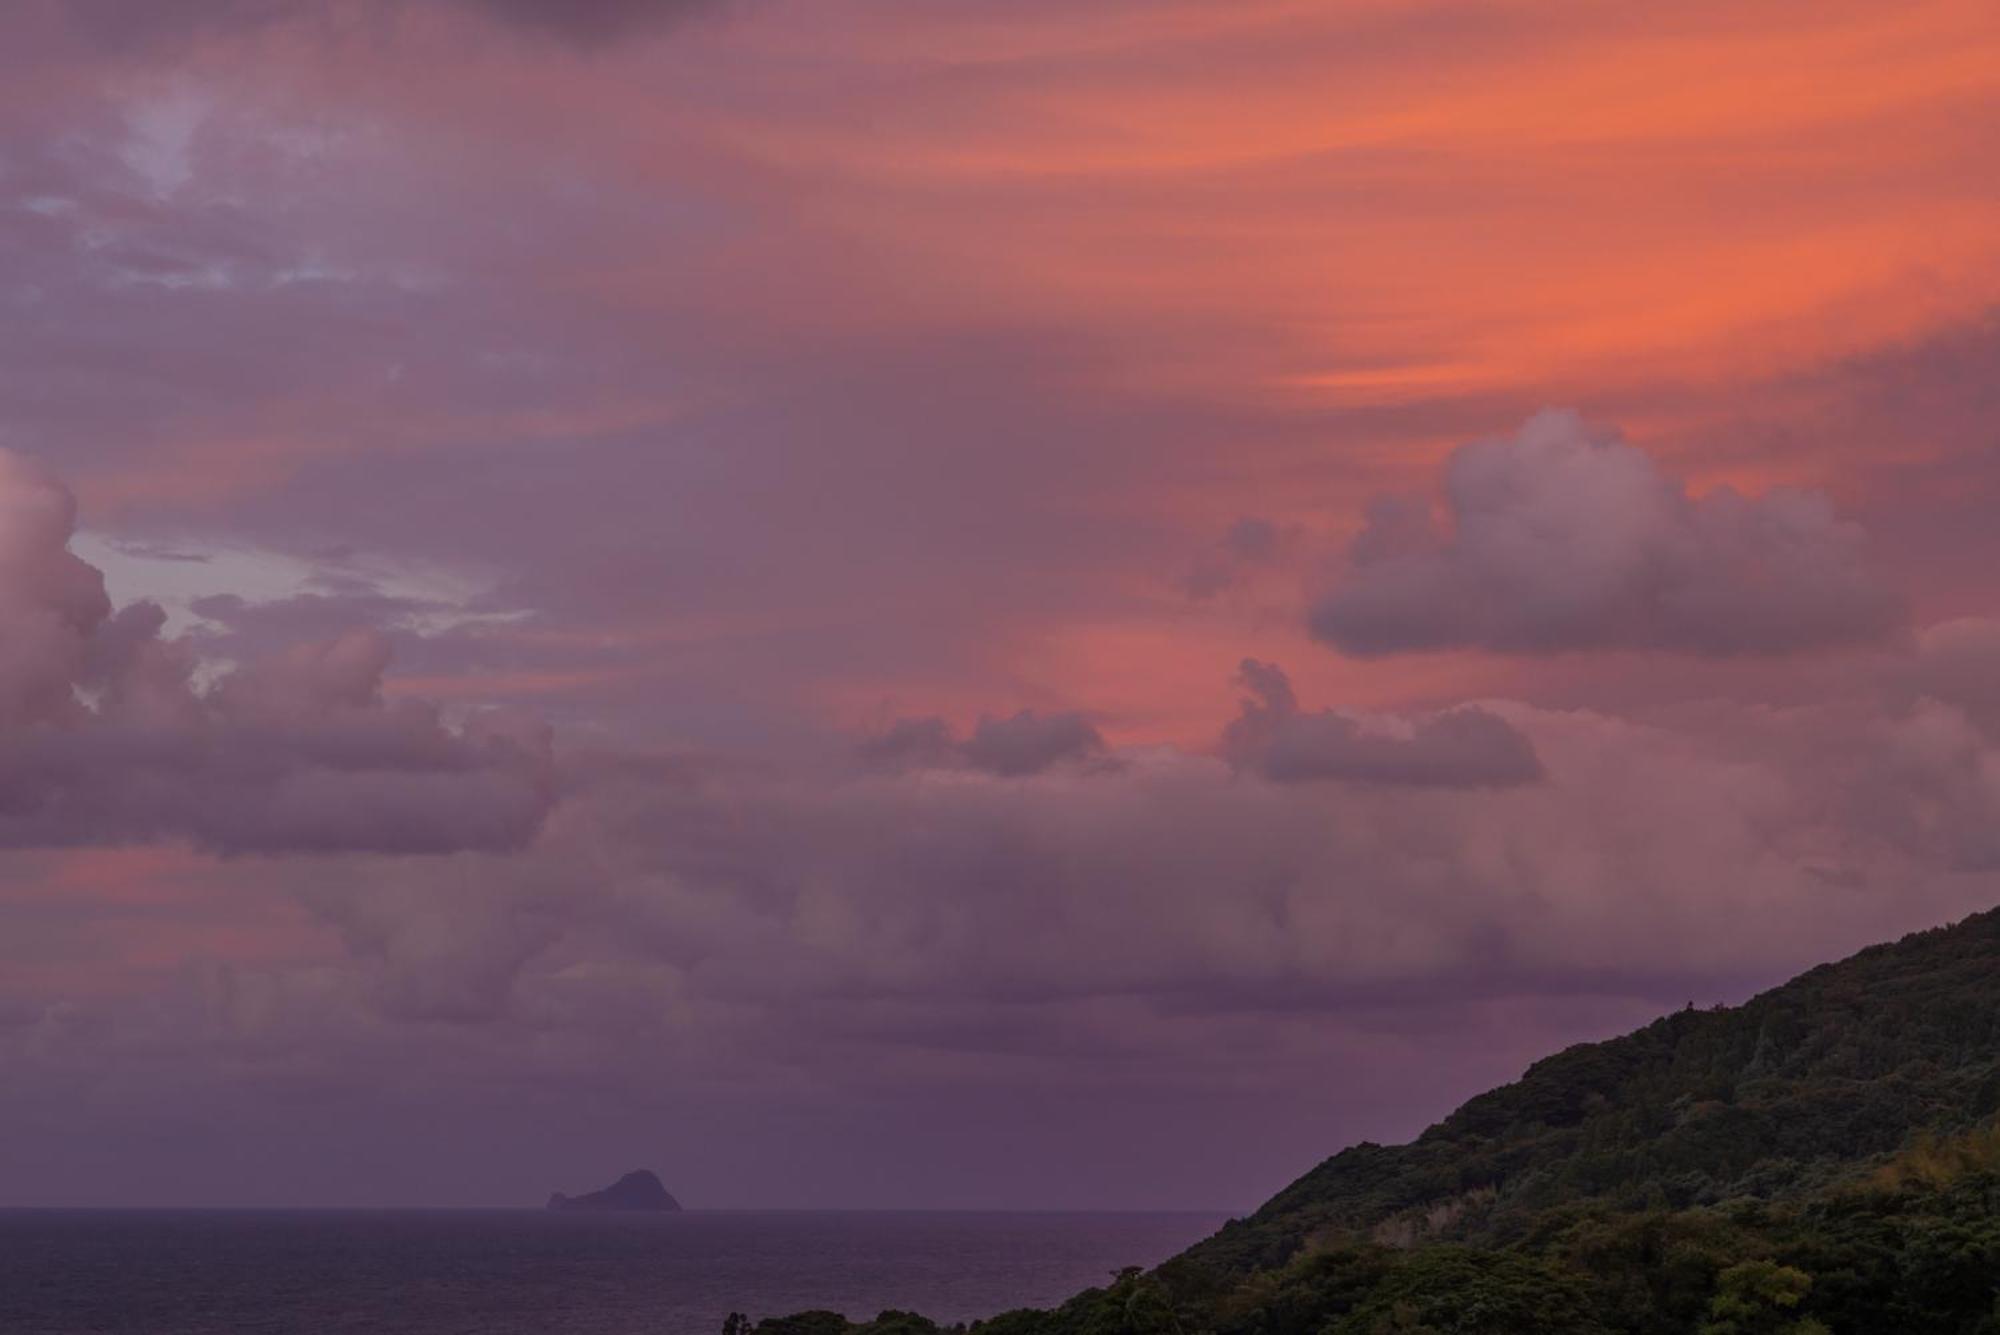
{"type": "Point", "coordinates": [638, 1191]}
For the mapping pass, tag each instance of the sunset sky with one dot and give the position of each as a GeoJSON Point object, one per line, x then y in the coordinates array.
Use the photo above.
{"type": "Point", "coordinates": [991, 604]}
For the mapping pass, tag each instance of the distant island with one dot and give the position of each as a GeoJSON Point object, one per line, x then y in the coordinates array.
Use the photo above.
{"type": "Point", "coordinates": [1821, 1160]}
{"type": "Point", "coordinates": [639, 1191]}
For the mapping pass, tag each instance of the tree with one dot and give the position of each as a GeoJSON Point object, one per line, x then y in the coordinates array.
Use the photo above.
{"type": "Point", "coordinates": [1759, 1298]}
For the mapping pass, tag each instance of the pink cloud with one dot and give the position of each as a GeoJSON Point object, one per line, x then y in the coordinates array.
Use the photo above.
{"type": "Point", "coordinates": [1559, 539]}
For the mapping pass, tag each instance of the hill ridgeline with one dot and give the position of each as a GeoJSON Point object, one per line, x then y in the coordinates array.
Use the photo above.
{"type": "Point", "coordinates": [1821, 1160]}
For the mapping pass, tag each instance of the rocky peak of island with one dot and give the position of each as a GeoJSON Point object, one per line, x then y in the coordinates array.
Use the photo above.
{"type": "Point", "coordinates": [639, 1190]}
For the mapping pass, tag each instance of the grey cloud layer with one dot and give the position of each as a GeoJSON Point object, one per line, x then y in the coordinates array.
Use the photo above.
{"type": "Point", "coordinates": [1560, 539]}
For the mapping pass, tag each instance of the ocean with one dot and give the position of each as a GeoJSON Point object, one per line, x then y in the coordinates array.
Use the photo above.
{"type": "Point", "coordinates": [528, 1272]}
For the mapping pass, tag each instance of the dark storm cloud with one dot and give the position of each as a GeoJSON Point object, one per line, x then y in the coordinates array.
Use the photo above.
{"type": "Point", "coordinates": [1561, 539]}
{"type": "Point", "coordinates": [1467, 747]}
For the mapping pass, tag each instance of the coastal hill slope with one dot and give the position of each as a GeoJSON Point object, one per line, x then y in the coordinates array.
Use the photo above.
{"type": "Point", "coordinates": [1821, 1158]}
{"type": "Point", "coordinates": [1782, 1095]}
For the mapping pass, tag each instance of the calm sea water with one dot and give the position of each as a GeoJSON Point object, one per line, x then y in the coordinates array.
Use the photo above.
{"type": "Point", "coordinates": [526, 1272]}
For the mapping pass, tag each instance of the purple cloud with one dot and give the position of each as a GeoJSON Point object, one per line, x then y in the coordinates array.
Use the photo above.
{"type": "Point", "coordinates": [108, 739]}
{"type": "Point", "coordinates": [1561, 539]}
{"type": "Point", "coordinates": [1248, 543]}
{"type": "Point", "coordinates": [1467, 747]}
{"type": "Point", "coordinates": [1027, 743]}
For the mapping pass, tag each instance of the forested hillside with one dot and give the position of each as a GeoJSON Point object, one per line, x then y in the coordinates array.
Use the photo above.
{"type": "Point", "coordinates": [1822, 1158]}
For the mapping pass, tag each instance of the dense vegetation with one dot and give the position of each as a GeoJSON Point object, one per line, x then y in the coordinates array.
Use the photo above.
{"type": "Point", "coordinates": [1821, 1159]}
